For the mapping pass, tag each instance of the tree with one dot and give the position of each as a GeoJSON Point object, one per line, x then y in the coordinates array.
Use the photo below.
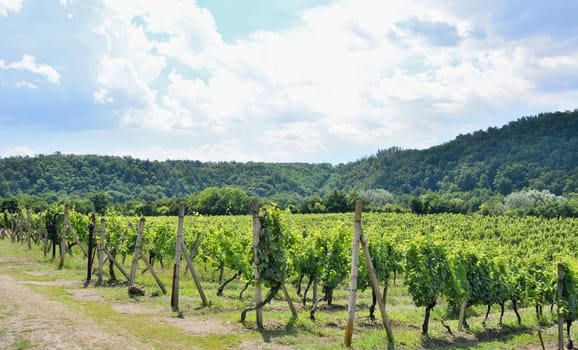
{"type": "Point", "coordinates": [9, 204]}
{"type": "Point", "coordinates": [223, 201]}
{"type": "Point", "coordinates": [377, 197]}
{"type": "Point", "coordinates": [100, 202]}
{"type": "Point", "coordinates": [416, 206]}
{"type": "Point", "coordinates": [336, 202]}
{"type": "Point", "coordinates": [312, 205]}
{"type": "Point", "coordinates": [526, 201]}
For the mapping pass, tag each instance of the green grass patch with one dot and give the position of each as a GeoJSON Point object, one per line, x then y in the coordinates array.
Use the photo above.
{"type": "Point", "coordinates": [21, 344]}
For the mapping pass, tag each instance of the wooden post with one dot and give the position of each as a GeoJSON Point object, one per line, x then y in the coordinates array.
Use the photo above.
{"type": "Point", "coordinates": [376, 290]}
{"type": "Point", "coordinates": [177, 266]}
{"type": "Point", "coordinates": [125, 232]}
{"type": "Point", "coordinates": [123, 236]}
{"type": "Point", "coordinates": [100, 252]}
{"type": "Point", "coordinates": [75, 236]}
{"type": "Point", "coordinates": [195, 245]}
{"type": "Point", "coordinates": [353, 274]}
{"type": "Point", "coordinates": [289, 301]}
{"type": "Point", "coordinates": [19, 227]}
{"type": "Point", "coordinates": [194, 274]}
{"type": "Point", "coordinates": [541, 340]}
{"type": "Point", "coordinates": [256, 273]}
{"type": "Point", "coordinates": [136, 251]}
{"type": "Point", "coordinates": [28, 228]}
{"type": "Point", "coordinates": [314, 288]}
{"type": "Point", "coordinates": [152, 271]}
{"type": "Point", "coordinates": [112, 260]}
{"type": "Point", "coordinates": [63, 240]}
{"type": "Point", "coordinates": [40, 230]}
{"type": "Point", "coordinates": [14, 228]}
{"type": "Point", "coordinates": [91, 228]}
{"type": "Point", "coordinates": [194, 248]}
{"type": "Point", "coordinates": [559, 294]}
{"type": "Point", "coordinates": [54, 235]}
{"type": "Point", "coordinates": [46, 233]}
{"type": "Point", "coordinates": [462, 315]}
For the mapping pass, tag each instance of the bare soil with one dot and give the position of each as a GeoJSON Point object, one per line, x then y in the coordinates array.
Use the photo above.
{"type": "Point", "coordinates": [32, 320]}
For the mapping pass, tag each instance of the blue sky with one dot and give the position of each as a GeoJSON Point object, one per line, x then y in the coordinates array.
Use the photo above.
{"type": "Point", "coordinates": [272, 80]}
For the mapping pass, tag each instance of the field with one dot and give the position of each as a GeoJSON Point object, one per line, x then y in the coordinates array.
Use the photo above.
{"type": "Point", "coordinates": [42, 306]}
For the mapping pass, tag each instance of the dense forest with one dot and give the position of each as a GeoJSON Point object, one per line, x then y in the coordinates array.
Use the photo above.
{"type": "Point", "coordinates": [537, 153]}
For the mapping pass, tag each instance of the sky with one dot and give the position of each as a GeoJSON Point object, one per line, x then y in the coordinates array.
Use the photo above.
{"type": "Point", "coordinates": [275, 80]}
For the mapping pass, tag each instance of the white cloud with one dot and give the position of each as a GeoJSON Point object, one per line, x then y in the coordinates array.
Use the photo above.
{"type": "Point", "coordinates": [28, 63]}
{"type": "Point", "coordinates": [410, 73]}
{"type": "Point", "coordinates": [102, 97]}
{"type": "Point", "coordinates": [26, 84]}
{"type": "Point", "coordinates": [10, 6]}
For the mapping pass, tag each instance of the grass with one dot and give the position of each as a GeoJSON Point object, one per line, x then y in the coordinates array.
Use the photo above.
{"type": "Point", "coordinates": [21, 344]}
{"type": "Point", "coordinates": [157, 325]}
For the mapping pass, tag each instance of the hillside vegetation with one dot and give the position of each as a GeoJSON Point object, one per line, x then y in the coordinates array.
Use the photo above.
{"type": "Point", "coordinates": [539, 152]}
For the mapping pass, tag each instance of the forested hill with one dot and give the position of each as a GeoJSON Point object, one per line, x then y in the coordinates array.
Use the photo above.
{"type": "Point", "coordinates": [126, 178]}
{"type": "Point", "coordinates": [538, 152]}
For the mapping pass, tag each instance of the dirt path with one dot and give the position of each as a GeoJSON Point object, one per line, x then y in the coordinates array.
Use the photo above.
{"type": "Point", "coordinates": [30, 320]}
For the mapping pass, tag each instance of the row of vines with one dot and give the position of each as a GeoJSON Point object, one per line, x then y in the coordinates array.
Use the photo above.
{"type": "Point", "coordinates": [464, 260]}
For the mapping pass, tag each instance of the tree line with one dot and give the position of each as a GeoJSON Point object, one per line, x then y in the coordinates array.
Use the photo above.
{"type": "Point", "coordinates": [235, 201]}
{"type": "Point", "coordinates": [474, 172]}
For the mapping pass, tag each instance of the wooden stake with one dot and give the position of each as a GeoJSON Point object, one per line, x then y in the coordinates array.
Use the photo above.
{"type": "Point", "coordinates": [125, 232]}
{"type": "Point", "coordinates": [137, 250]}
{"type": "Point", "coordinates": [177, 266]}
{"type": "Point", "coordinates": [376, 290]}
{"type": "Point", "coordinates": [289, 301]}
{"type": "Point", "coordinates": [353, 274]}
{"type": "Point", "coordinates": [559, 294]}
{"type": "Point", "coordinates": [256, 273]}
{"type": "Point", "coordinates": [541, 340]}
{"type": "Point", "coordinates": [194, 274]}
{"type": "Point", "coordinates": [314, 288]}
{"type": "Point", "coordinates": [75, 237]}
{"type": "Point", "coordinates": [91, 228]}
{"type": "Point", "coordinates": [100, 252]}
{"type": "Point", "coordinates": [117, 264]}
{"type": "Point", "coordinates": [63, 241]}
{"type": "Point", "coordinates": [14, 227]}
{"type": "Point", "coordinates": [40, 230]}
{"type": "Point", "coordinates": [152, 271]}
{"type": "Point", "coordinates": [28, 228]}
{"type": "Point", "coordinates": [462, 316]}
{"type": "Point", "coordinates": [19, 227]}
{"type": "Point", "coordinates": [194, 248]}
{"type": "Point", "coordinates": [46, 247]}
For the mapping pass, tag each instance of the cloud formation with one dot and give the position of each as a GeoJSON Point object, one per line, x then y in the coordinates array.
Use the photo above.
{"type": "Point", "coordinates": [343, 79]}
{"type": "Point", "coordinates": [7, 6]}
{"type": "Point", "coordinates": [28, 63]}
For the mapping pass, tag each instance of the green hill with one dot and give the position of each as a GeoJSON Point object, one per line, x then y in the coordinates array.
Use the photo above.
{"type": "Point", "coordinates": [539, 152]}
{"type": "Point", "coordinates": [126, 178]}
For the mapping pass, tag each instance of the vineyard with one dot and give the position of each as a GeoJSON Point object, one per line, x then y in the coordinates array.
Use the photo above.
{"type": "Point", "coordinates": [446, 280]}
